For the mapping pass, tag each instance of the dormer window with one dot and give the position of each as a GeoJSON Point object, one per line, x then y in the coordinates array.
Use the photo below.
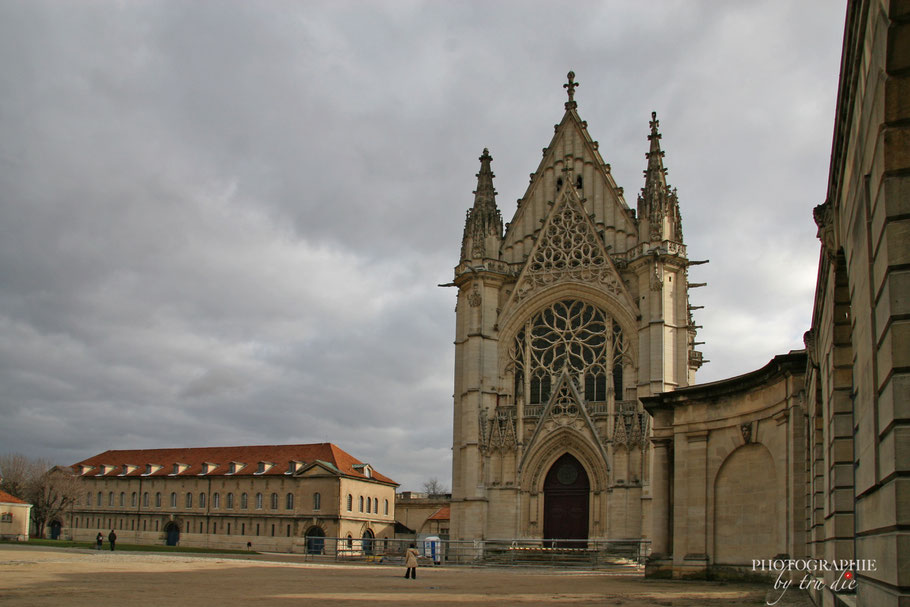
{"type": "Point", "coordinates": [176, 469]}
{"type": "Point", "coordinates": [152, 468]}
{"type": "Point", "coordinates": [235, 467]}
{"type": "Point", "coordinates": [208, 467]}
{"type": "Point", "coordinates": [127, 469]}
{"type": "Point", "coordinates": [294, 466]}
{"type": "Point", "coordinates": [264, 467]}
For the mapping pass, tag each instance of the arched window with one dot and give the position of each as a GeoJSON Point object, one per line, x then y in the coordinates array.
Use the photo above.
{"type": "Point", "coordinates": [376, 505]}
{"type": "Point", "coordinates": [317, 501]}
{"type": "Point", "coordinates": [88, 498]}
{"type": "Point", "coordinates": [258, 501]}
{"type": "Point", "coordinates": [173, 499]}
{"type": "Point", "coordinates": [579, 182]}
{"type": "Point", "coordinates": [369, 506]}
{"type": "Point", "coordinates": [145, 499]}
{"type": "Point", "coordinates": [122, 499]}
{"type": "Point", "coordinates": [350, 502]}
{"type": "Point", "coordinates": [244, 501]}
{"type": "Point", "coordinates": [350, 541]}
{"type": "Point", "coordinates": [229, 504]}
{"type": "Point", "coordinates": [202, 500]}
{"type": "Point", "coordinates": [157, 499]}
{"type": "Point", "coordinates": [189, 500]}
{"type": "Point", "coordinates": [99, 499]}
{"type": "Point", "coordinates": [133, 499]}
{"type": "Point", "coordinates": [216, 500]}
{"type": "Point", "coordinates": [289, 501]}
{"type": "Point", "coordinates": [570, 335]}
{"type": "Point", "coordinates": [110, 498]}
{"type": "Point", "coordinates": [274, 501]}
{"type": "Point", "coordinates": [361, 503]}
{"type": "Point", "coordinates": [386, 507]}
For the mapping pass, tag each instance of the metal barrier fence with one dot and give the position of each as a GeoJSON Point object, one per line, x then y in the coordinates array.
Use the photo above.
{"type": "Point", "coordinates": [626, 555]}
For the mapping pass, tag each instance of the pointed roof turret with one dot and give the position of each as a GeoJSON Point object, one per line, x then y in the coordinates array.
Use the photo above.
{"type": "Point", "coordinates": [483, 224]}
{"type": "Point", "coordinates": [658, 206]}
{"type": "Point", "coordinates": [655, 174]}
{"type": "Point", "coordinates": [485, 195]}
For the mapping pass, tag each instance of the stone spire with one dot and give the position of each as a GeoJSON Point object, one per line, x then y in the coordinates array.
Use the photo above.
{"type": "Point", "coordinates": [483, 225]}
{"type": "Point", "coordinates": [657, 204]}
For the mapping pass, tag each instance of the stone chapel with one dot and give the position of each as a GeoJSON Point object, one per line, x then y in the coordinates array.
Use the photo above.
{"type": "Point", "coordinates": [566, 316]}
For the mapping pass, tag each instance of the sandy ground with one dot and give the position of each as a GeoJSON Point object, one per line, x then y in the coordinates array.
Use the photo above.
{"type": "Point", "coordinates": [70, 577]}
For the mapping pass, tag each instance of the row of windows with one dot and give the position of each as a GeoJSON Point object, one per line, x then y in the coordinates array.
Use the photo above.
{"type": "Point", "coordinates": [372, 504]}
{"type": "Point", "coordinates": [189, 527]}
{"type": "Point", "coordinates": [188, 500]}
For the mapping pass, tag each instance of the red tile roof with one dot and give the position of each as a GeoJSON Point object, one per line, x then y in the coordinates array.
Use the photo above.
{"type": "Point", "coordinates": [6, 498]}
{"type": "Point", "coordinates": [133, 463]}
{"type": "Point", "coordinates": [443, 514]}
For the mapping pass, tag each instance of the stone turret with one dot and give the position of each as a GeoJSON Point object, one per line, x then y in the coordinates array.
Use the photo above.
{"type": "Point", "coordinates": [483, 225]}
{"type": "Point", "coordinates": [658, 207]}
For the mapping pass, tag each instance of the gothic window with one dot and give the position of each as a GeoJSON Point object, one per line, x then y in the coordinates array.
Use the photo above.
{"type": "Point", "coordinates": [274, 501]}
{"type": "Point", "coordinates": [173, 500]}
{"type": "Point", "coordinates": [369, 505]}
{"type": "Point", "coordinates": [202, 500]}
{"type": "Point", "coordinates": [158, 499]}
{"type": "Point", "coordinates": [376, 505]}
{"type": "Point", "coordinates": [350, 502]}
{"type": "Point", "coordinates": [258, 501]}
{"type": "Point", "coordinates": [361, 503]}
{"type": "Point", "coordinates": [216, 500]}
{"type": "Point", "coordinates": [189, 500]}
{"type": "Point", "coordinates": [122, 499]}
{"type": "Point", "coordinates": [133, 499]}
{"type": "Point", "coordinates": [244, 503]}
{"type": "Point", "coordinates": [229, 503]}
{"type": "Point", "coordinates": [571, 336]}
{"type": "Point", "coordinates": [110, 498]}
{"type": "Point", "coordinates": [145, 499]}
{"type": "Point", "coordinates": [596, 386]}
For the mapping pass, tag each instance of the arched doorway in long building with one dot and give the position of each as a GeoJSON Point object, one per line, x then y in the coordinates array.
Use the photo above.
{"type": "Point", "coordinates": [315, 540]}
{"type": "Point", "coordinates": [56, 527]}
{"type": "Point", "coordinates": [368, 542]}
{"type": "Point", "coordinates": [566, 493]}
{"type": "Point", "coordinates": [172, 532]}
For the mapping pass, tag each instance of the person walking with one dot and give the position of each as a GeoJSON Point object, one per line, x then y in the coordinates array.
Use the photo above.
{"type": "Point", "coordinates": [410, 561]}
{"type": "Point", "coordinates": [98, 541]}
{"type": "Point", "coordinates": [111, 537]}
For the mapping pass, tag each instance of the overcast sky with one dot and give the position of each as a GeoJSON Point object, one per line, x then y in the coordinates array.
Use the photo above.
{"type": "Point", "coordinates": [223, 223]}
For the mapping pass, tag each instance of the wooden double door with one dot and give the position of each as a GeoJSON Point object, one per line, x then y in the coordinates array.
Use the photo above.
{"type": "Point", "coordinates": [566, 497]}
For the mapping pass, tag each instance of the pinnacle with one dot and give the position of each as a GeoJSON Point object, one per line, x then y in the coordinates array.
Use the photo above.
{"type": "Point", "coordinates": [485, 195]}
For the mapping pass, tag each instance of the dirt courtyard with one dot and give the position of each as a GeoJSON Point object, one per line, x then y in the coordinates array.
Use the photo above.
{"type": "Point", "coordinates": [35, 576]}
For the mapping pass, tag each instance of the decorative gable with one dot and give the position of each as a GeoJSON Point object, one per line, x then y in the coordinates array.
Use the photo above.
{"type": "Point", "coordinates": [568, 249]}
{"type": "Point", "coordinates": [566, 410]}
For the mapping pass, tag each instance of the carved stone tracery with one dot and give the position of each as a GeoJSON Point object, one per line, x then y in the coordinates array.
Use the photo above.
{"type": "Point", "coordinates": [569, 249]}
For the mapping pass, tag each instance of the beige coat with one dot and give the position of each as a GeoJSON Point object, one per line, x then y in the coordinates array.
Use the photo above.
{"type": "Point", "coordinates": [410, 559]}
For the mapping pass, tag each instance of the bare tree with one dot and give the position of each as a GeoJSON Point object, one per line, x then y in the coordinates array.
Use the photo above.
{"type": "Point", "coordinates": [50, 489]}
{"type": "Point", "coordinates": [434, 488]}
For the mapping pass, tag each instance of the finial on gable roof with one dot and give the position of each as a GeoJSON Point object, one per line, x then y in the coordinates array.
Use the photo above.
{"type": "Point", "coordinates": [570, 89]}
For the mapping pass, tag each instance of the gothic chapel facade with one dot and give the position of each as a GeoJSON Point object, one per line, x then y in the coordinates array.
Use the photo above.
{"type": "Point", "coordinates": [564, 320]}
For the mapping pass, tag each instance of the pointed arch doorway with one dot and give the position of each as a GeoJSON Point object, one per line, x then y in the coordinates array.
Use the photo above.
{"type": "Point", "coordinates": [566, 492]}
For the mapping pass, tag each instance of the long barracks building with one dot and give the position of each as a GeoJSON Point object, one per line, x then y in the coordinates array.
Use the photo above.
{"type": "Point", "coordinates": [277, 497]}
